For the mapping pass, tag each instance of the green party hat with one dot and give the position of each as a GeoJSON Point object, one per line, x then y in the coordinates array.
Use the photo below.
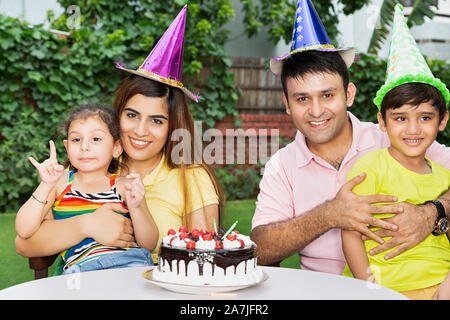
{"type": "Point", "coordinates": [406, 63]}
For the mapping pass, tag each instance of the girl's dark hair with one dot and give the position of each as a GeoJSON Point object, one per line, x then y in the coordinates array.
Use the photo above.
{"type": "Point", "coordinates": [413, 93]}
{"type": "Point", "coordinates": [313, 61]}
{"type": "Point", "coordinates": [107, 115]}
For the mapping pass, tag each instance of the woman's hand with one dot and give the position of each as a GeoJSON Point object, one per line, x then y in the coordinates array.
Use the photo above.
{"type": "Point", "coordinates": [108, 227]}
{"type": "Point", "coordinates": [50, 170]}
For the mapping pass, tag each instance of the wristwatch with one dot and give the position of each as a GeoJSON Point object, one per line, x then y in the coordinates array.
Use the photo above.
{"type": "Point", "coordinates": [442, 223]}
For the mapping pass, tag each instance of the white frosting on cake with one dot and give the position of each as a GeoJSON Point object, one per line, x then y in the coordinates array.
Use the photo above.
{"type": "Point", "coordinates": [246, 273]}
{"type": "Point", "coordinates": [210, 260]}
{"type": "Point", "coordinates": [205, 244]}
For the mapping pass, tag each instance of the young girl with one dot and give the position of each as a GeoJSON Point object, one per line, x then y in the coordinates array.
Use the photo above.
{"type": "Point", "coordinates": [93, 147]}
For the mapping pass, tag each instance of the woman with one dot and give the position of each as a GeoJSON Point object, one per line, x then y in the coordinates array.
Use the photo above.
{"type": "Point", "coordinates": [152, 105]}
{"type": "Point", "coordinates": [178, 192]}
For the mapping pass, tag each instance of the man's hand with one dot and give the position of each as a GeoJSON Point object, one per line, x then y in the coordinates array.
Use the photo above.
{"type": "Point", "coordinates": [414, 225]}
{"type": "Point", "coordinates": [110, 228]}
{"type": "Point", "coordinates": [354, 212]}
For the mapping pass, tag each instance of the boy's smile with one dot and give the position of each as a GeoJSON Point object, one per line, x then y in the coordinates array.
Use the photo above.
{"type": "Point", "coordinates": [411, 130]}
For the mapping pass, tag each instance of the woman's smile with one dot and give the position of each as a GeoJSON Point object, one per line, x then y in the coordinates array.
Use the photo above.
{"type": "Point", "coordinates": [144, 124]}
{"type": "Point", "coordinates": [139, 143]}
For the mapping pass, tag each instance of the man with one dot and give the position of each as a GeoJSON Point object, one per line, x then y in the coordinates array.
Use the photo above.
{"type": "Point", "coordinates": [304, 201]}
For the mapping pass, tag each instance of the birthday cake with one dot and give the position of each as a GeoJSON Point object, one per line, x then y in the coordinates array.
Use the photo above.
{"type": "Point", "coordinates": [205, 258]}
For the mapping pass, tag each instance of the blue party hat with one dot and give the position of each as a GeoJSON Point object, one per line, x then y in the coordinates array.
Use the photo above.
{"type": "Point", "coordinates": [309, 34]}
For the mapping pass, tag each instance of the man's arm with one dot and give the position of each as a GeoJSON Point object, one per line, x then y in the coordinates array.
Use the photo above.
{"type": "Point", "coordinates": [415, 224]}
{"type": "Point", "coordinates": [279, 240]}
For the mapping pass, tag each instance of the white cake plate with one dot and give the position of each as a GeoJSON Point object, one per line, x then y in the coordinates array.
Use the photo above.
{"type": "Point", "coordinates": [198, 289]}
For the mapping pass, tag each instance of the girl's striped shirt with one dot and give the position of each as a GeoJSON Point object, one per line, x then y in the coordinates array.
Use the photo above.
{"type": "Point", "coordinates": [71, 203]}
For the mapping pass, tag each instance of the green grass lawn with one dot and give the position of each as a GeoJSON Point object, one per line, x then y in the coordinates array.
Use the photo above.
{"type": "Point", "coordinates": [14, 268]}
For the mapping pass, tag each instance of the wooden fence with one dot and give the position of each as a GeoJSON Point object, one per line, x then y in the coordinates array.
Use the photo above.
{"type": "Point", "coordinates": [264, 122]}
{"type": "Point", "coordinates": [261, 89]}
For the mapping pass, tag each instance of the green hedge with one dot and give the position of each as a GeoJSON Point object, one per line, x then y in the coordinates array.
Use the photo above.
{"type": "Point", "coordinates": [42, 77]}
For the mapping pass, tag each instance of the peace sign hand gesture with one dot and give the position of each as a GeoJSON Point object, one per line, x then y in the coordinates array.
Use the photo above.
{"type": "Point", "coordinates": [50, 170]}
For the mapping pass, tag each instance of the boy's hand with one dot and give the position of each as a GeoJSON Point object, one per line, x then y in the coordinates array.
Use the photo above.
{"type": "Point", "coordinates": [134, 191]}
{"type": "Point", "coordinates": [443, 292]}
{"type": "Point", "coordinates": [50, 170]}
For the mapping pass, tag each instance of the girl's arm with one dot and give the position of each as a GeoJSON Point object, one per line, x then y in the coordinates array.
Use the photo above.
{"type": "Point", "coordinates": [145, 229]}
{"type": "Point", "coordinates": [355, 254]}
{"type": "Point", "coordinates": [54, 236]}
{"type": "Point", "coordinates": [31, 214]}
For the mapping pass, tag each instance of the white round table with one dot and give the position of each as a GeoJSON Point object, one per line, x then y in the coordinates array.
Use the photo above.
{"type": "Point", "coordinates": [128, 284]}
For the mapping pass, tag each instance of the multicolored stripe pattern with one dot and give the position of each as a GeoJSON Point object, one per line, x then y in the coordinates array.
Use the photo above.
{"type": "Point", "coordinates": [71, 203]}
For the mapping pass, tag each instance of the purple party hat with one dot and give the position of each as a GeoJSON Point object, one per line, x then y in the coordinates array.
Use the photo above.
{"type": "Point", "coordinates": [165, 61]}
{"type": "Point", "coordinates": [309, 34]}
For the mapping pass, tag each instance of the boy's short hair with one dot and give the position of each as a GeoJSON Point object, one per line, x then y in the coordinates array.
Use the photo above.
{"type": "Point", "coordinates": [313, 61]}
{"type": "Point", "coordinates": [413, 93]}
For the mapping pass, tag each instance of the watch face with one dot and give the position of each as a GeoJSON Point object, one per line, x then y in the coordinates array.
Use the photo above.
{"type": "Point", "coordinates": [442, 226]}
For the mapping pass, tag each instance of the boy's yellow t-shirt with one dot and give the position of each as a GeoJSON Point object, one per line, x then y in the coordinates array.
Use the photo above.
{"type": "Point", "coordinates": [426, 264]}
{"type": "Point", "coordinates": [165, 197]}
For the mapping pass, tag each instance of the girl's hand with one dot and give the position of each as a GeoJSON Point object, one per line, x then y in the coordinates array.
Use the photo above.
{"type": "Point", "coordinates": [134, 191]}
{"type": "Point", "coordinates": [50, 170]}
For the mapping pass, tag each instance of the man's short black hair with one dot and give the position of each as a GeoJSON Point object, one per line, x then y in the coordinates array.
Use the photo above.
{"type": "Point", "coordinates": [313, 61]}
{"type": "Point", "coordinates": [414, 94]}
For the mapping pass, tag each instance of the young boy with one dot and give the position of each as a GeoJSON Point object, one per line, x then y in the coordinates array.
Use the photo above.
{"type": "Point", "coordinates": [411, 112]}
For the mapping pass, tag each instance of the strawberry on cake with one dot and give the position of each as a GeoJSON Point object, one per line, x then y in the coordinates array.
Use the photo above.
{"type": "Point", "coordinates": [205, 258]}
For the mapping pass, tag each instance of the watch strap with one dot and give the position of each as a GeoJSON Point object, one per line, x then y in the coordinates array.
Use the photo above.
{"type": "Point", "coordinates": [439, 207]}
{"type": "Point", "coordinates": [440, 211]}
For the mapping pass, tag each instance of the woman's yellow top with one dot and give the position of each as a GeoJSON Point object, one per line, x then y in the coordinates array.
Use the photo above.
{"type": "Point", "coordinates": [164, 193]}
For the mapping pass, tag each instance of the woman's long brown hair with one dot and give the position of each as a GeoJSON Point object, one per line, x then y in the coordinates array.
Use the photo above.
{"type": "Point", "coordinates": [179, 118]}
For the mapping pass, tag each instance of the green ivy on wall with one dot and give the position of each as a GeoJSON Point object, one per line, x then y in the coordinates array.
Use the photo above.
{"type": "Point", "coordinates": [42, 76]}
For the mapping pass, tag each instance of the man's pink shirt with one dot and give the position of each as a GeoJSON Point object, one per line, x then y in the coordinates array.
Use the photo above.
{"type": "Point", "coordinates": [296, 180]}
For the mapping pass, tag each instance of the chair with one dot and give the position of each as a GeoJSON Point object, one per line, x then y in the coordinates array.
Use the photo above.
{"type": "Point", "coordinates": [40, 266]}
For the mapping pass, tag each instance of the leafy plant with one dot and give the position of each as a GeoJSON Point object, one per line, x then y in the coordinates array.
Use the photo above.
{"type": "Point", "coordinates": [420, 10]}
{"type": "Point", "coordinates": [130, 29]}
{"type": "Point", "coordinates": [239, 182]}
{"type": "Point", "coordinates": [279, 16]}
{"type": "Point", "coordinates": [43, 76]}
